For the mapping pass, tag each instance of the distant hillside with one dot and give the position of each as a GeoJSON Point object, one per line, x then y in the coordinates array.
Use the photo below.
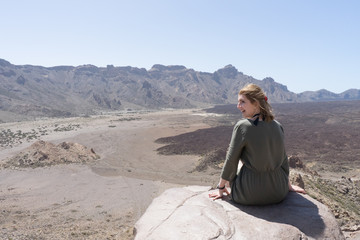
{"type": "Point", "coordinates": [36, 91]}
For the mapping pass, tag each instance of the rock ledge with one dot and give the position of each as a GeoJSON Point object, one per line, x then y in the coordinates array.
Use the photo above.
{"type": "Point", "coordinates": [188, 213]}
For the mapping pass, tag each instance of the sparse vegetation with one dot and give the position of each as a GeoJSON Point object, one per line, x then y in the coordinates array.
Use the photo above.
{"type": "Point", "coordinates": [341, 196]}
{"type": "Point", "coordinates": [8, 138]}
{"type": "Point", "coordinates": [69, 127]}
{"type": "Point", "coordinates": [11, 138]}
{"type": "Point", "coordinates": [123, 119]}
{"type": "Point", "coordinates": [127, 119]}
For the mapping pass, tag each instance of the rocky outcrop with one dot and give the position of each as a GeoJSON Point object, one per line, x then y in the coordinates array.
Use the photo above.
{"type": "Point", "coordinates": [41, 154]}
{"type": "Point", "coordinates": [188, 213]}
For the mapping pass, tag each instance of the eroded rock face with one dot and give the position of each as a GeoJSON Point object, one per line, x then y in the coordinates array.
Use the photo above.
{"type": "Point", "coordinates": [188, 213]}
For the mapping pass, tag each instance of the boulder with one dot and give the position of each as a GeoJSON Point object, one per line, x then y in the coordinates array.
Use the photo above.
{"type": "Point", "coordinates": [188, 213]}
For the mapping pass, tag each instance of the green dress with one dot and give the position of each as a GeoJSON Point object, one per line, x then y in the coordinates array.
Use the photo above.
{"type": "Point", "coordinates": [263, 177]}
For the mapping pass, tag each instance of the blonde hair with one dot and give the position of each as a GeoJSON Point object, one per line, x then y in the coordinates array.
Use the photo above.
{"type": "Point", "coordinates": [255, 94]}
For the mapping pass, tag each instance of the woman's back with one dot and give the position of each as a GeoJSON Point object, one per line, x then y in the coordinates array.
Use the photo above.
{"type": "Point", "coordinates": [264, 145]}
{"type": "Point", "coordinates": [263, 178]}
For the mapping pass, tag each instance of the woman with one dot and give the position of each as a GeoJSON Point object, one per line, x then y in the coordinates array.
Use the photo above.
{"type": "Point", "coordinates": [258, 141]}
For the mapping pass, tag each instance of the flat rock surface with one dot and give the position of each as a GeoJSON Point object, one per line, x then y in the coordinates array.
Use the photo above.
{"type": "Point", "coordinates": [188, 213]}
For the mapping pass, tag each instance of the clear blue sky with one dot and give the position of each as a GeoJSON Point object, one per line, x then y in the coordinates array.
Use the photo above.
{"type": "Point", "coordinates": [303, 44]}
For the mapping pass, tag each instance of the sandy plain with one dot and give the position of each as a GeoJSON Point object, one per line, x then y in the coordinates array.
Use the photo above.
{"type": "Point", "coordinates": [101, 199]}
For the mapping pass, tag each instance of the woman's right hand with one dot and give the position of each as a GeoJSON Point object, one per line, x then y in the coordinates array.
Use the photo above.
{"type": "Point", "coordinates": [221, 191]}
{"type": "Point", "coordinates": [219, 194]}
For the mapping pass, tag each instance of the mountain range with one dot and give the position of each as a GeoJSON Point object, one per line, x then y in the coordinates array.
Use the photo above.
{"type": "Point", "coordinates": [36, 91]}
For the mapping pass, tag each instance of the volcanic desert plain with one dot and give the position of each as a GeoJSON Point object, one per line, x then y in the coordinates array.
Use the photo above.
{"type": "Point", "coordinates": [93, 177]}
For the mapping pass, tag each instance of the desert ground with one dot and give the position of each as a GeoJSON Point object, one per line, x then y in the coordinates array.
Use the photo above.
{"type": "Point", "coordinates": [141, 154]}
{"type": "Point", "coordinates": [101, 199]}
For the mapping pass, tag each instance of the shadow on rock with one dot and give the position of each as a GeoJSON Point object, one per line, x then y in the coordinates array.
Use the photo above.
{"type": "Point", "coordinates": [295, 210]}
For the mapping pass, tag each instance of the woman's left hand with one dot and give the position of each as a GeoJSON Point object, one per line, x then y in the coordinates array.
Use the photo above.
{"type": "Point", "coordinates": [294, 188]}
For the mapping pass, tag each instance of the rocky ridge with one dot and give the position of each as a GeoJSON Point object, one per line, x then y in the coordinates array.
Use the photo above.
{"type": "Point", "coordinates": [34, 91]}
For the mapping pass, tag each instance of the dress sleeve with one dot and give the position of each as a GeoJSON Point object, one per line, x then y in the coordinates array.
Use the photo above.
{"type": "Point", "coordinates": [233, 154]}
